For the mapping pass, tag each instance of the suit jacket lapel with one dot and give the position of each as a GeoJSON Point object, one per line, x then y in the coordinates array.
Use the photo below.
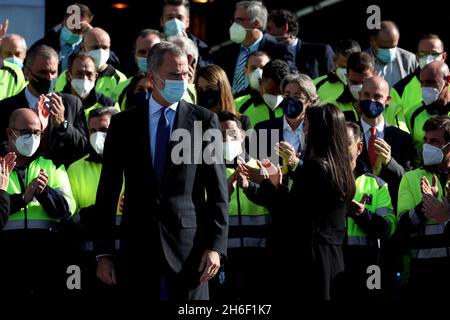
{"type": "Point", "coordinates": [143, 131]}
{"type": "Point", "coordinates": [183, 120]}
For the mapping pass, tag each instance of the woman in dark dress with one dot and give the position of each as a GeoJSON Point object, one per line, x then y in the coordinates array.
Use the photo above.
{"type": "Point", "coordinates": [310, 218]}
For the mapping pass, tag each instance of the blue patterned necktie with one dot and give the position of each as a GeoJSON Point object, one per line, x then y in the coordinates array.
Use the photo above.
{"type": "Point", "coordinates": [239, 80]}
{"type": "Point", "coordinates": [162, 145]}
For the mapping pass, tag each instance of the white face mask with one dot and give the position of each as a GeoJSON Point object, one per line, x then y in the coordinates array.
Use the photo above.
{"type": "Point", "coordinates": [272, 101]}
{"type": "Point", "coordinates": [82, 86]}
{"type": "Point", "coordinates": [254, 77]}
{"type": "Point", "coordinates": [355, 89]}
{"type": "Point", "coordinates": [231, 149]}
{"type": "Point", "coordinates": [341, 73]}
{"type": "Point", "coordinates": [100, 57]}
{"type": "Point", "coordinates": [97, 141]}
{"type": "Point", "coordinates": [27, 145]}
{"type": "Point", "coordinates": [423, 61]}
{"type": "Point", "coordinates": [432, 155]}
{"type": "Point", "coordinates": [430, 95]}
{"type": "Point", "coordinates": [237, 33]}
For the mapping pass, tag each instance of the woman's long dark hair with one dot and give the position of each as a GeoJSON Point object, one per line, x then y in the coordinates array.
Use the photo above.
{"type": "Point", "coordinates": [327, 141]}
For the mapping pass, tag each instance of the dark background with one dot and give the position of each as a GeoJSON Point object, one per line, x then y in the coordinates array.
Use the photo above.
{"type": "Point", "coordinates": [211, 21]}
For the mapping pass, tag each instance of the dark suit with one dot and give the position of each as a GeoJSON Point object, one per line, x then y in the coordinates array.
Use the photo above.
{"type": "Point", "coordinates": [402, 153]}
{"type": "Point", "coordinates": [226, 57]}
{"type": "Point", "coordinates": [64, 146]}
{"type": "Point", "coordinates": [313, 59]}
{"type": "Point", "coordinates": [170, 224]}
{"type": "Point", "coordinates": [4, 208]}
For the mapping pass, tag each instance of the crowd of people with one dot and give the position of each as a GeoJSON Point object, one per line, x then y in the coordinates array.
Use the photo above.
{"type": "Point", "coordinates": [337, 161]}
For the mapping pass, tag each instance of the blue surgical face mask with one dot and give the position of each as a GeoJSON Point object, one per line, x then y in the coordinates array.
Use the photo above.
{"type": "Point", "coordinates": [371, 109]}
{"type": "Point", "coordinates": [174, 27]}
{"type": "Point", "coordinates": [173, 90]}
{"type": "Point", "coordinates": [15, 60]}
{"type": "Point", "coordinates": [386, 55]}
{"type": "Point", "coordinates": [70, 37]}
{"type": "Point", "coordinates": [142, 64]}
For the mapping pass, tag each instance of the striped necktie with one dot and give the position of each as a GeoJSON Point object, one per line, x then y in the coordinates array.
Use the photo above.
{"type": "Point", "coordinates": [239, 79]}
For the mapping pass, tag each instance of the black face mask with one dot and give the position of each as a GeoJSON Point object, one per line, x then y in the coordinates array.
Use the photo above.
{"type": "Point", "coordinates": [208, 98]}
{"type": "Point", "coordinates": [292, 107]}
{"type": "Point", "coordinates": [138, 98]}
{"type": "Point", "coordinates": [42, 85]}
{"type": "Point", "coordinates": [371, 109]}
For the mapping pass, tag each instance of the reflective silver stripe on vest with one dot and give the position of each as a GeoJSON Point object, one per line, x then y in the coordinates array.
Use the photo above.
{"type": "Point", "coordinates": [247, 243]}
{"type": "Point", "coordinates": [89, 245]}
{"type": "Point", "coordinates": [31, 224]}
{"type": "Point", "coordinates": [383, 211]}
{"type": "Point", "coordinates": [117, 244]}
{"type": "Point", "coordinates": [250, 220]}
{"type": "Point", "coordinates": [432, 229]}
{"type": "Point", "coordinates": [118, 220]}
{"type": "Point", "coordinates": [361, 241]}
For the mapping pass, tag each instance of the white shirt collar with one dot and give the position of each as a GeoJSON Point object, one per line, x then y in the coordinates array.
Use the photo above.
{"type": "Point", "coordinates": [366, 127]}
{"type": "Point", "coordinates": [155, 106]}
{"type": "Point", "coordinates": [286, 126]}
{"type": "Point", "coordinates": [32, 100]}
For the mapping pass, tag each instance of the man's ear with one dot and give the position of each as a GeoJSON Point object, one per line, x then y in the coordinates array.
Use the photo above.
{"type": "Point", "coordinates": [68, 76]}
{"type": "Point", "coordinates": [188, 22]}
{"type": "Point", "coordinates": [285, 28]}
{"type": "Point", "coordinates": [388, 99]}
{"type": "Point", "coordinates": [27, 73]}
{"type": "Point", "coordinates": [161, 22]}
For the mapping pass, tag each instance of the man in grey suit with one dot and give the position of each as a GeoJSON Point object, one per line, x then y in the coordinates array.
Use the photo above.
{"type": "Point", "coordinates": [391, 62]}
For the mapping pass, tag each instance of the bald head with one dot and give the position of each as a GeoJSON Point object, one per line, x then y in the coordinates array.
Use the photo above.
{"type": "Point", "coordinates": [96, 38]}
{"type": "Point", "coordinates": [374, 89]}
{"type": "Point", "coordinates": [376, 84]}
{"type": "Point", "coordinates": [13, 45]}
{"type": "Point", "coordinates": [434, 74]}
{"type": "Point", "coordinates": [387, 36]}
{"type": "Point", "coordinates": [24, 118]}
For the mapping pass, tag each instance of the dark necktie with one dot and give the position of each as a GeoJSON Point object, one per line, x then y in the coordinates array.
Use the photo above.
{"type": "Point", "coordinates": [162, 145]}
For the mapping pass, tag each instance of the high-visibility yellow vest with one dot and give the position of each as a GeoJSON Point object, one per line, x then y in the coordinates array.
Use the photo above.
{"type": "Point", "coordinates": [105, 83]}
{"type": "Point", "coordinates": [84, 176]}
{"type": "Point", "coordinates": [37, 217]}
{"type": "Point", "coordinates": [243, 214]}
{"type": "Point", "coordinates": [378, 202]}
{"type": "Point", "coordinates": [331, 90]}
{"type": "Point", "coordinates": [409, 196]}
{"type": "Point", "coordinates": [12, 80]}
{"type": "Point", "coordinates": [256, 112]}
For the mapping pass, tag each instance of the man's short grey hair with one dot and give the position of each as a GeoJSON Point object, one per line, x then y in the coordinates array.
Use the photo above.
{"type": "Point", "coordinates": [157, 53]}
{"type": "Point", "coordinates": [256, 11]}
{"type": "Point", "coordinates": [187, 45]}
{"type": "Point", "coordinates": [22, 41]}
{"type": "Point", "coordinates": [99, 112]}
{"type": "Point", "coordinates": [146, 32]}
{"type": "Point", "coordinates": [42, 51]}
{"type": "Point", "coordinates": [305, 83]}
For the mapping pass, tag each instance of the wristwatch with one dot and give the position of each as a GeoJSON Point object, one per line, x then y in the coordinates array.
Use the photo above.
{"type": "Point", "coordinates": [64, 124]}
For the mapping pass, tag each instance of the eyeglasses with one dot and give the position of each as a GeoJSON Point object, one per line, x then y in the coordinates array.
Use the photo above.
{"type": "Point", "coordinates": [423, 54]}
{"type": "Point", "coordinates": [27, 133]}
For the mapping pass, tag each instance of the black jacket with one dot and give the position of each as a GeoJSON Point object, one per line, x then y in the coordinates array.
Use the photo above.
{"type": "Point", "coordinates": [64, 146]}
{"type": "Point", "coordinates": [226, 57]}
{"type": "Point", "coordinates": [172, 218]}
{"type": "Point", "coordinates": [4, 208]}
{"type": "Point", "coordinates": [313, 59]}
{"type": "Point", "coordinates": [402, 153]}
